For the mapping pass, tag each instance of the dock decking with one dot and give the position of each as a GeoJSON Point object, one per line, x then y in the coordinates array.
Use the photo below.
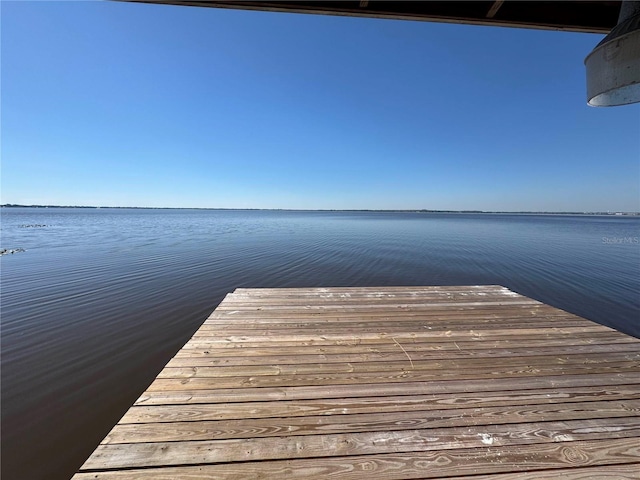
{"type": "Point", "coordinates": [472, 382]}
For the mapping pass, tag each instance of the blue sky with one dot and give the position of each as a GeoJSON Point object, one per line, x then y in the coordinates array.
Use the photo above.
{"type": "Point", "coordinates": [120, 104]}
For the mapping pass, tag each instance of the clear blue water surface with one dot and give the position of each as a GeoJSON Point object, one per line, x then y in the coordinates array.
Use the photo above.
{"type": "Point", "coordinates": [101, 299]}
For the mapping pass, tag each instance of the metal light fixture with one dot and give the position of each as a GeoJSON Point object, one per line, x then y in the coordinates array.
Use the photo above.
{"type": "Point", "coordinates": [613, 67]}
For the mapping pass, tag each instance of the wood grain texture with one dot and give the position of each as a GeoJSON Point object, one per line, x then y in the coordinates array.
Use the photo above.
{"type": "Point", "coordinates": [197, 412]}
{"type": "Point", "coordinates": [419, 465]}
{"type": "Point", "coordinates": [395, 383]}
{"type": "Point", "coordinates": [397, 355]}
{"type": "Point", "coordinates": [110, 456]}
{"type": "Point", "coordinates": [470, 364]}
{"type": "Point", "coordinates": [369, 422]}
{"type": "Point", "coordinates": [451, 387]}
{"type": "Point", "coordinates": [608, 472]}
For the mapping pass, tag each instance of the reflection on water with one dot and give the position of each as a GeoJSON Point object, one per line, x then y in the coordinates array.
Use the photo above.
{"type": "Point", "coordinates": [101, 299]}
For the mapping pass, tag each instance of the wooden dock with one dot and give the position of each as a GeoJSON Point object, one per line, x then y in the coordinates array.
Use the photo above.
{"type": "Point", "coordinates": [472, 382]}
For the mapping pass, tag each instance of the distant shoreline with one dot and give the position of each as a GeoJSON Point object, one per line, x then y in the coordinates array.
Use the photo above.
{"type": "Point", "coordinates": [13, 205]}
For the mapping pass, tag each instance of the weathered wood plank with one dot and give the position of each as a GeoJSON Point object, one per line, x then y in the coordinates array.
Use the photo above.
{"type": "Point", "coordinates": [368, 443]}
{"type": "Point", "coordinates": [440, 310]}
{"type": "Point", "coordinates": [371, 422]}
{"type": "Point", "coordinates": [451, 387]}
{"type": "Point", "coordinates": [594, 334]}
{"type": "Point", "coordinates": [420, 289]}
{"type": "Point", "coordinates": [198, 412]}
{"type": "Point", "coordinates": [610, 472]}
{"type": "Point", "coordinates": [256, 328]}
{"type": "Point", "coordinates": [444, 308]}
{"type": "Point", "coordinates": [392, 347]}
{"type": "Point", "coordinates": [441, 354]}
{"type": "Point", "coordinates": [408, 363]}
{"type": "Point", "coordinates": [433, 464]}
{"type": "Point", "coordinates": [434, 317]}
{"type": "Point", "coordinates": [372, 303]}
{"type": "Point", "coordinates": [400, 375]}
{"type": "Point", "coordinates": [392, 341]}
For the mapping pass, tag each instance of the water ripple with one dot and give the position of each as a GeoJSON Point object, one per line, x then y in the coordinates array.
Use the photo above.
{"type": "Point", "coordinates": [101, 299]}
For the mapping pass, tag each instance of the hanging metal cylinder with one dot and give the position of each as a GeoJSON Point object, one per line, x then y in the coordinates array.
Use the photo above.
{"type": "Point", "coordinates": [613, 67]}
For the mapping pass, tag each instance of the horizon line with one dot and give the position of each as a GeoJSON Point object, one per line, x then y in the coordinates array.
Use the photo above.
{"type": "Point", "coordinates": [381, 210]}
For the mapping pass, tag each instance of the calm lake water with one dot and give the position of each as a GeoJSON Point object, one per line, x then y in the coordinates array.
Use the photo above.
{"type": "Point", "coordinates": [101, 299]}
